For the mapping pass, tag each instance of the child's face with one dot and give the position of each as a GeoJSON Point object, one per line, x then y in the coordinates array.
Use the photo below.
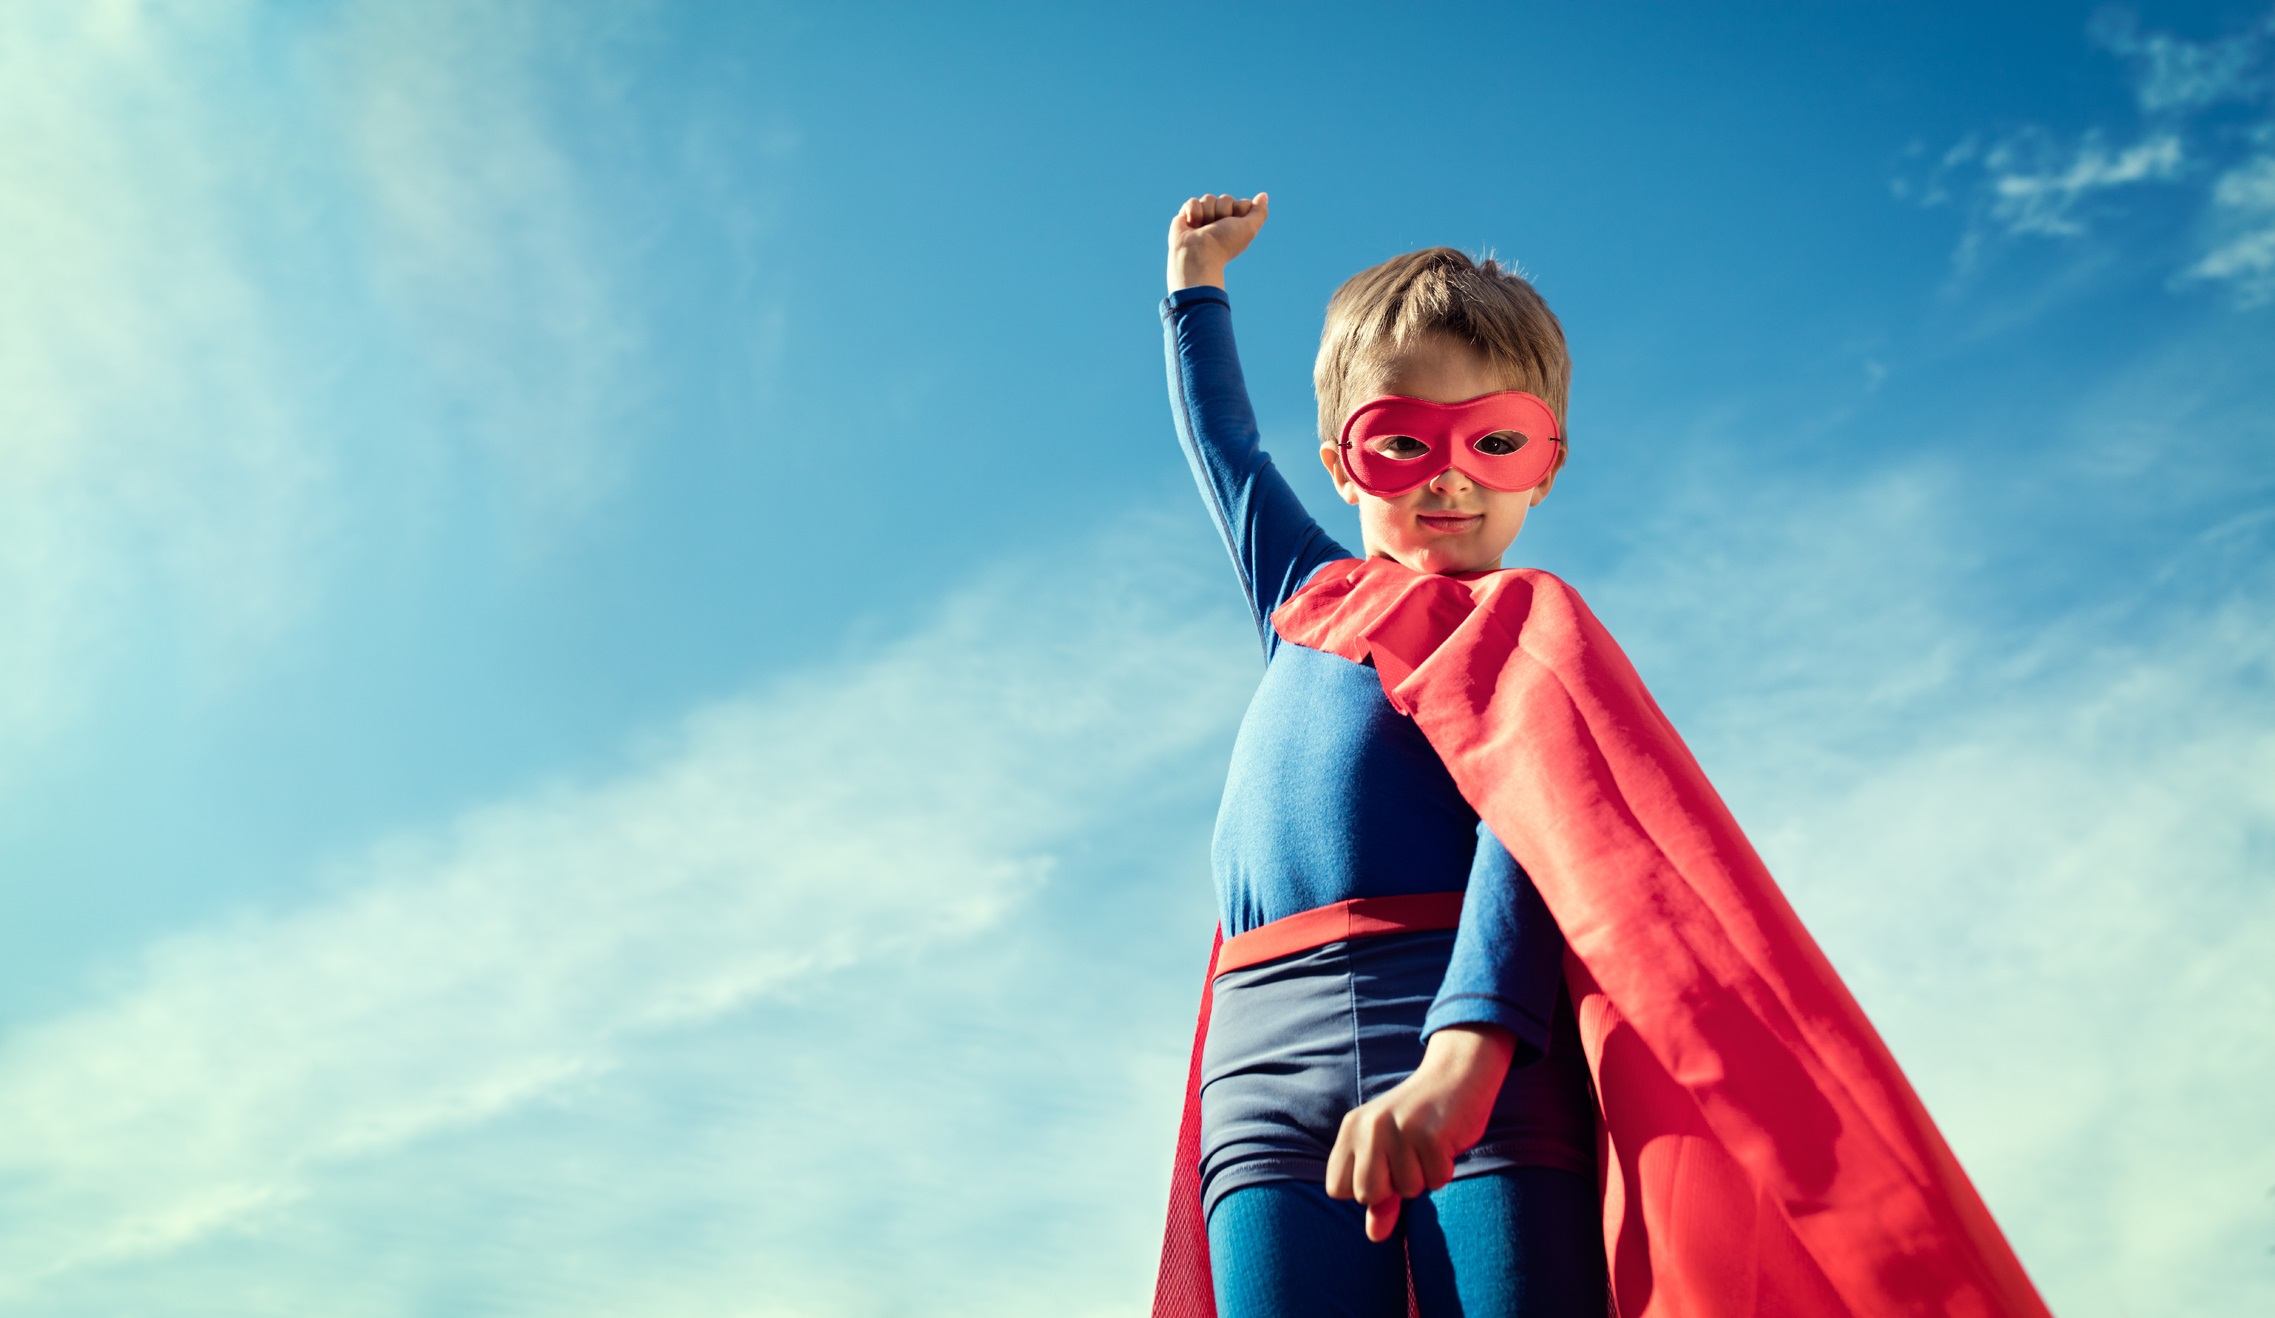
{"type": "Point", "coordinates": [1450, 523]}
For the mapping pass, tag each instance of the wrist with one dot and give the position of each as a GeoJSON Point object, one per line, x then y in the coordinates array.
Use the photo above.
{"type": "Point", "coordinates": [1469, 1048]}
{"type": "Point", "coordinates": [1191, 270]}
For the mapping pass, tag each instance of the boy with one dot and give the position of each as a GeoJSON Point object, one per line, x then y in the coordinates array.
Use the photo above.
{"type": "Point", "coordinates": [1396, 1046]}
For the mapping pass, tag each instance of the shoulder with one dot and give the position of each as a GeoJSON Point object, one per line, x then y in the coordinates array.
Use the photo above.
{"type": "Point", "coordinates": [1544, 610]}
{"type": "Point", "coordinates": [1541, 581]}
{"type": "Point", "coordinates": [1524, 588]}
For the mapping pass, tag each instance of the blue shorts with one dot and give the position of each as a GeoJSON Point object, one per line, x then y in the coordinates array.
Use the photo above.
{"type": "Point", "coordinates": [1295, 1043]}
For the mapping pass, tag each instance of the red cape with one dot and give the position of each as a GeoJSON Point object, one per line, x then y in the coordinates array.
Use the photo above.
{"type": "Point", "coordinates": [1760, 1151]}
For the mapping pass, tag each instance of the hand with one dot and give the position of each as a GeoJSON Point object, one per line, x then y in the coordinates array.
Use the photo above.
{"type": "Point", "coordinates": [1404, 1143]}
{"type": "Point", "coordinates": [1207, 233]}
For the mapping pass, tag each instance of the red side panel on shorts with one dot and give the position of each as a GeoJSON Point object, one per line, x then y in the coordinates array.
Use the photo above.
{"type": "Point", "coordinates": [1183, 1289]}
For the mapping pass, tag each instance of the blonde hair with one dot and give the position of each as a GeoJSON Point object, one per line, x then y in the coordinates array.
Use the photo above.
{"type": "Point", "coordinates": [1383, 311]}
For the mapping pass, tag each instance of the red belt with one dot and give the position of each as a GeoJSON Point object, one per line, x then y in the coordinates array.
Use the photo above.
{"type": "Point", "coordinates": [1360, 917]}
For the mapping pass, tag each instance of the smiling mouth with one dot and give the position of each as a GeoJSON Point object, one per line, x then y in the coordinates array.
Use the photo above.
{"type": "Point", "coordinates": [1451, 522]}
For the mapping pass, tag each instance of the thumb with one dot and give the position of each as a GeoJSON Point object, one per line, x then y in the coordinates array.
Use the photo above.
{"type": "Point", "coordinates": [1262, 201]}
{"type": "Point", "coordinates": [1382, 1219]}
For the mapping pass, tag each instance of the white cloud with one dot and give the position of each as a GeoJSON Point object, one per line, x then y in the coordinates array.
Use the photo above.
{"type": "Point", "coordinates": [2174, 74]}
{"type": "Point", "coordinates": [2031, 183]}
{"type": "Point", "coordinates": [196, 419]}
{"type": "Point", "coordinates": [2243, 222]}
{"type": "Point", "coordinates": [242, 1075]}
{"type": "Point", "coordinates": [2038, 189]}
{"type": "Point", "coordinates": [143, 444]}
{"type": "Point", "coordinates": [2034, 183]}
{"type": "Point", "coordinates": [489, 239]}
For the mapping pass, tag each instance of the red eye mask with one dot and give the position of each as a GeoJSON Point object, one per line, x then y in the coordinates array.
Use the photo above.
{"type": "Point", "coordinates": [1504, 441]}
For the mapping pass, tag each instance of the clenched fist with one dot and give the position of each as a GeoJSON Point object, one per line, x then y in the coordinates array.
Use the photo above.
{"type": "Point", "coordinates": [1403, 1144]}
{"type": "Point", "coordinates": [1207, 233]}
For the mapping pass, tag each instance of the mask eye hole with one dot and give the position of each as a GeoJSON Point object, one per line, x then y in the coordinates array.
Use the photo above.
{"type": "Point", "coordinates": [1501, 443]}
{"type": "Point", "coordinates": [1399, 448]}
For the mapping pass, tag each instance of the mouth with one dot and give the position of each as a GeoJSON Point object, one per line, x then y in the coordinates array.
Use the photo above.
{"type": "Point", "coordinates": [1451, 523]}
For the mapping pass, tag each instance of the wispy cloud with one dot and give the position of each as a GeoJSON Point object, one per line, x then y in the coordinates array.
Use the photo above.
{"type": "Point", "coordinates": [199, 415]}
{"type": "Point", "coordinates": [2038, 188]}
{"type": "Point", "coordinates": [2173, 74]}
{"type": "Point", "coordinates": [849, 816]}
{"type": "Point", "coordinates": [146, 456]}
{"type": "Point", "coordinates": [490, 240]}
{"type": "Point", "coordinates": [2037, 182]}
{"type": "Point", "coordinates": [2241, 228]}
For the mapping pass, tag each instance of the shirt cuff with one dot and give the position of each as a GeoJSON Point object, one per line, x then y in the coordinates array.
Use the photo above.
{"type": "Point", "coordinates": [1185, 297]}
{"type": "Point", "coordinates": [1484, 1009]}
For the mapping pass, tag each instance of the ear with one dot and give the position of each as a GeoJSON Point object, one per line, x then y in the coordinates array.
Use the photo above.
{"type": "Point", "coordinates": [1331, 458]}
{"type": "Point", "coordinates": [1540, 491]}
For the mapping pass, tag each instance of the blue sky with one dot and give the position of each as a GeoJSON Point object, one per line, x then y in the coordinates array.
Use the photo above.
{"type": "Point", "coordinates": [611, 686]}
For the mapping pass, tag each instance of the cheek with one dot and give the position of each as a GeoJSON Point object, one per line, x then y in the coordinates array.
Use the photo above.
{"type": "Point", "coordinates": [1377, 513]}
{"type": "Point", "coordinates": [1505, 517]}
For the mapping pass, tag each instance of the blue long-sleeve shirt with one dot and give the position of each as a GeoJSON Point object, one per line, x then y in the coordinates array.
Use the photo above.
{"type": "Point", "coordinates": [1332, 794]}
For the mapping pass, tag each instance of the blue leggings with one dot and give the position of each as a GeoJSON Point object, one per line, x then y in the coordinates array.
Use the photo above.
{"type": "Point", "coordinates": [1521, 1243]}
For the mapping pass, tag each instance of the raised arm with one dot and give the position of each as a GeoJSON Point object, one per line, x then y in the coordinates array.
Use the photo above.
{"type": "Point", "coordinates": [1275, 545]}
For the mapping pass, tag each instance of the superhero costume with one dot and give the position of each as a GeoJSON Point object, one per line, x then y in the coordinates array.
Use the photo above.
{"type": "Point", "coordinates": [1760, 1151]}
{"type": "Point", "coordinates": [1331, 796]}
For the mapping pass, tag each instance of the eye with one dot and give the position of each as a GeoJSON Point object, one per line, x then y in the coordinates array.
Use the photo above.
{"type": "Point", "coordinates": [1403, 448]}
{"type": "Point", "coordinates": [1501, 443]}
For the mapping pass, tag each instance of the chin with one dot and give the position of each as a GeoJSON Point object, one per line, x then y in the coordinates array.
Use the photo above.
{"type": "Point", "coordinates": [1442, 560]}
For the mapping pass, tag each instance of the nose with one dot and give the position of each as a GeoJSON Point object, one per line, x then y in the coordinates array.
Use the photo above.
{"type": "Point", "coordinates": [1450, 481]}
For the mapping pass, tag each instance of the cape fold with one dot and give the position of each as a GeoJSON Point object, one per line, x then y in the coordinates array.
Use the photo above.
{"type": "Point", "coordinates": [1759, 1149]}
